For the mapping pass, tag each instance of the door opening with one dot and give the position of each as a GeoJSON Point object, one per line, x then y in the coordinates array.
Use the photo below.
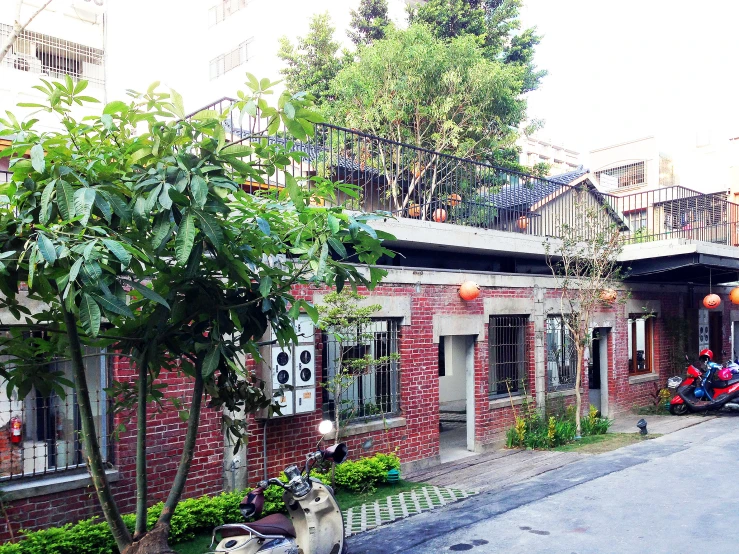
{"type": "Point", "coordinates": [456, 397]}
{"type": "Point", "coordinates": [598, 371]}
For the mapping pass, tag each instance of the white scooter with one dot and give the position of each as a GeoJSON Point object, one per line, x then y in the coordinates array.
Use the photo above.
{"type": "Point", "coordinates": [315, 525]}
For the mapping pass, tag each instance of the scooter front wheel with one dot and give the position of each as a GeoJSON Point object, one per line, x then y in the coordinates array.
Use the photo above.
{"type": "Point", "coordinates": [679, 409]}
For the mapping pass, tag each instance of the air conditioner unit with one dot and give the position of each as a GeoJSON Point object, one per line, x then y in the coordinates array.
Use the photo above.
{"type": "Point", "coordinates": [23, 62]}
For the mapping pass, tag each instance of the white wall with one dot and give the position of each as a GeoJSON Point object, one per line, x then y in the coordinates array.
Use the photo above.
{"type": "Point", "coordinates": [452, 385]}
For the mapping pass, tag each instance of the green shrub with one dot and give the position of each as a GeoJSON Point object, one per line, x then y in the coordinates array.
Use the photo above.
{"type": "Point", "coordinates": [92, 536]}
{"type": "Point", "coordinates": [532, 431]}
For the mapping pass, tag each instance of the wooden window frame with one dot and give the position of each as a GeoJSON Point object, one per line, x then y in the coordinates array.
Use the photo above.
{"type": "Point", "coordinates": [648, 345]}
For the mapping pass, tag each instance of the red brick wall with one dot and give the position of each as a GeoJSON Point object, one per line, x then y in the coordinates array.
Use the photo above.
{"type": "Point", "coordinates": [166, 437]}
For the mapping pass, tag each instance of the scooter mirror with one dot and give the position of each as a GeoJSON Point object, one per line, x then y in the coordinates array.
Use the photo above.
{"type": "Point", "coordinates": [337, 453]}
{"type": "Point", "coordinates": [325, 427]}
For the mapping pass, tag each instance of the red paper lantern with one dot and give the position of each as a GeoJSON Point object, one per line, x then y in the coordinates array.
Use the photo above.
{"type": "Point", "coordinates": [712, 301]}
{"type": "Point", "coordinates": [734, 296]}
{"type": "Point", "coordinates": [608, 296]}
{"type": "Point", "coordinates": [414, 210]}
{"type": "Point", "coordinates": [523, 222]}
{"type": "Point", "coordinates": [439, 215]}
{"type": "Point", "coordinates": [469, 290]}
{"type": "Point", "coordinates": [454, 199]}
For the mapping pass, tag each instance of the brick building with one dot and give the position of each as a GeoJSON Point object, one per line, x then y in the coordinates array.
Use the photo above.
{"type": "Point", "coordinates": [463, 367]}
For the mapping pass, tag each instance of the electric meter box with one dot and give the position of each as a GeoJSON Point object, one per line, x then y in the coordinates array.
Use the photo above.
{"type": "Point", "coordinates": [294, 366]}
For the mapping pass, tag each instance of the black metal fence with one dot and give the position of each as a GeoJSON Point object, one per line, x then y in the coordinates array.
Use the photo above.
{"type": "Point", "coordinates": [369, 390]}
{"type": "Point", "coordinates": [508, 352]}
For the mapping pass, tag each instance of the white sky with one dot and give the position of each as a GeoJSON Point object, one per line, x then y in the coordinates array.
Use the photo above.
{"type": "Point", "coordinates": [633, 68]}
{"type": "Point", "coordinates": [617, 70]}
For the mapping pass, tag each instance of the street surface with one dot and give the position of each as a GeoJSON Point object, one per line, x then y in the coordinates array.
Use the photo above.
{"type": "Point", "coordinates": [676, 493]}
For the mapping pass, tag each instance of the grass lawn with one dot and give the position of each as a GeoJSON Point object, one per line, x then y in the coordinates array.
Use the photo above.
{"type": "Point", "coordinates": [346, 500]}
{"type": "Point", "coordinates": [597, 444]}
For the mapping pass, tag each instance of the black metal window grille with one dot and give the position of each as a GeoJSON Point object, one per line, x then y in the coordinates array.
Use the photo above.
{"type": "Point", "coordinates": [372, 393]}
{"type": "Point", "coordinates": [50, 433]}
{"type": "Point", "coordinates": [628, 175]}
{"type": "Point", "coordinates": [561, 355]}
{"type": "Point", "coordinates": [507, 355]}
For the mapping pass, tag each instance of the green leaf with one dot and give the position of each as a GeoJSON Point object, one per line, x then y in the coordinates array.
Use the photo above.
{"type": "Point", "coordinates": [118, 251]}
{"type": "Point", "coordinates": [265, 286]}
{"type": "Point", "coordinates": [32, 265]}
{"type": "Point", "coordinates": [45, 199]}
{"type": "Point", "coordinates": [46, 247]}
{"type": "Point", "coordinates": [209, 225]}
{"type": "Point", "coordinates": [90, 315]}
{"type": "Point", "coordinates": [178, 103]}
{"type": "Point", "coordinates": [114, 107]}
{"type": "Point", "coordinates": [264, 226]}
{"type": "Point", "coordinates": [112, 304]}
{"type": "Point", "coordinates": [293, 189]}
{"type": "Point", "coordinates": [338, 247]}
{"type": "Point", "coordinates": [185, 238]}
{"type": "Point", "coordinates": [75, 269]}
{"type": "Point", "coordinates": [65, 199]}
{"type": "Point", "coordinates": [37, 158]}
{"type": "Point", "coordinates": [210, 363]}
{"type": "Point", "coordinates": [104, 206]}
{"type": "Point", "coordinates": [333, 223]}
{"type": "Point", "coordinates": [146, 292]}
{"type": "Point", "coordinates": [199, 189]}
{"type": "Point", "coordinates": [84, 198]}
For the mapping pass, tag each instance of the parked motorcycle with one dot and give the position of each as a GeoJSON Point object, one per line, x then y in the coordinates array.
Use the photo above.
{"type": "Point", "coordinates": [711, 388]}
{"type": "Point", "coordinates": [315, 525]}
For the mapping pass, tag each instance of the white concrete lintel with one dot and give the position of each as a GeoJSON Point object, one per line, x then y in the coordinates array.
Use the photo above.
{"type": "Point", "coordinates": [456, 325]}
{"type": "Point", "coordinates": [390, 306]}
{"type": "Point", "coordinates": [507, 306]}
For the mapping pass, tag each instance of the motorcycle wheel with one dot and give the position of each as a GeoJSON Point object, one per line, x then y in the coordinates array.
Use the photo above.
{"type": "Point", "coordinates": [679, 409]}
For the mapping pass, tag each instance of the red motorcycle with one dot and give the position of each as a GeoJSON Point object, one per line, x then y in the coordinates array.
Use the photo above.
{"type": "Point", "coordinates": [712, 388]}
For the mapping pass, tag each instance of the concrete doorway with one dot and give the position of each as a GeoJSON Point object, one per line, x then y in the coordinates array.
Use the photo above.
{"type": "Point", "coordinates": [598, 370]}
{"type": "Point", "coordinates": [456, 397]}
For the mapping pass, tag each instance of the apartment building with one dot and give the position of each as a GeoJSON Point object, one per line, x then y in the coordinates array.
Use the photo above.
{"type": "Point", "coordinates": [535, 150]}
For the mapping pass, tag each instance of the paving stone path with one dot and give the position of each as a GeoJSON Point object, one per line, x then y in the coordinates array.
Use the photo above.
{"type": "Point", "coordinates": [399, 506]}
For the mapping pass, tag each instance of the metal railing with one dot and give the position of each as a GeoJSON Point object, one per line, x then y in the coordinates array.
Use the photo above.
{"type": "Point", "coordinates": [678, 212]}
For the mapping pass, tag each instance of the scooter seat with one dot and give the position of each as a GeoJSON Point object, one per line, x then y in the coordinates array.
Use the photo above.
{"type": "Point", "coordinates": [275, 524]}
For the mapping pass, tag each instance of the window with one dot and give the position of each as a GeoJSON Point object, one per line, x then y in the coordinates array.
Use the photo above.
{"type": "Point", "coordinates": [50, 424]}
{"type": "Point", "coordinates": [636, 219]}
{"type": "Point", "coordinates": [561, 355]}
{"type": "Point", "coordinates": [223, 10]}
{"type": "Point", "coordinates": [507, 355]}
{"type": "Point", "coordinates": [376, 392]}
{"type": "Point", "coordinates": [627, 175]}
{"type": "Point", "coordinates": [47, 55]}
{"type": "Point", "coordinates": [640, 341]}
{"type": "Point", "coordinates": [226, 62]}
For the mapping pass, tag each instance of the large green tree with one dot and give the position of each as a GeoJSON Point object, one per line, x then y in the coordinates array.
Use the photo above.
{"type": "Point", "coordinates": [495, 26]}
{"type": "Point", "coordinates": [368, 22]}
{"type": "Point", "coordinates": [132, 229]}
{"type": "Point", "coordinates": [443, 95]}
{"type": "Point", "coordinates": [312, 63]}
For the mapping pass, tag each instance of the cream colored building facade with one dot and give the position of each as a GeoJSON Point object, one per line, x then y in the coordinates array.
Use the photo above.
{"type": "Point", "coordinates": [534, 150]}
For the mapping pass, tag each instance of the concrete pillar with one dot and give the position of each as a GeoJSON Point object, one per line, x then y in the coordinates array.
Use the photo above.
{"type": "Point", "coordinates": [540, 330]}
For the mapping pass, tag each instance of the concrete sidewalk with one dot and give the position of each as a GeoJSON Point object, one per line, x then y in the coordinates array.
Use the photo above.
{"type": "Point", "coordinates": [502, 468]}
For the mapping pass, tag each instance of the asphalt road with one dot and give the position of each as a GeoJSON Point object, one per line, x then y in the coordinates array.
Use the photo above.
{"type": "Point", "coordinates": [676, 493]}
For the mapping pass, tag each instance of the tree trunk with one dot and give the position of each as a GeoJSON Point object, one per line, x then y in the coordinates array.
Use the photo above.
{"type": "Point", "coordinates": [153, 542]}
{"type": "Point", "coordinates": [578, 396]}
{"type": "Point", "coordinates": [141, 477]}
{"type": "Point", "coordinates": [19, 27]}
{"type": "Point", "coordinates": [89, 438]}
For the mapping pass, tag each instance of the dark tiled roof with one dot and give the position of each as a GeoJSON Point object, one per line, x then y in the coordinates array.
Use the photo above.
{"type": "Point", "coordinates": [524, 195]}
{"type": "Point", "coordinates": [567, 178]}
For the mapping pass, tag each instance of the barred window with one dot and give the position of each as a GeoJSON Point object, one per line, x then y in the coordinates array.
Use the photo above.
{"type": "Point", "coordinates": [49, 439]}
{"type": "Point", "coordinates": [223, 10]}
{"type": "Point", "coordinates": [230, 60]}
{"type": "Point", "coordinates": [640, 340]}
{"type": "Point", "coordinates": [507, 370]}
{"type": "Point", "coordinates": [55, 57]}
{"type": "Point", "coordinates": [628, 175]}
{"type": "Point", "coordinates": [371, 393]}
{"type": "Point", "coordinates": [561, 355]}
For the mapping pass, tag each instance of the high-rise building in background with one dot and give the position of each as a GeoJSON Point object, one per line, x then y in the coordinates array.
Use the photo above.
{"type": "Point", "coordinates": [534, 150]}
{"type": "Point", "coordinates": [67, 38]}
